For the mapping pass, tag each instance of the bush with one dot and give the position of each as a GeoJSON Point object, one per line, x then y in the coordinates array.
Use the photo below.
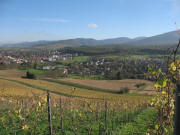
{"type": "Point", "coordinates": [30, 75]}
{"type": "Point", "coordinates": [124, 90]}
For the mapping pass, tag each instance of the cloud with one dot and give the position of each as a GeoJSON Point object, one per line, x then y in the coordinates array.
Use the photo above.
{"type": "Point", "coordinates": [53, 20]}
{"type": "Point", "coordinates": [92, 25]}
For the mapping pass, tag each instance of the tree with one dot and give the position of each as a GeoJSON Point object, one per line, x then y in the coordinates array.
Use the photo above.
{"type": "Point", "coordinates": [30, 75]}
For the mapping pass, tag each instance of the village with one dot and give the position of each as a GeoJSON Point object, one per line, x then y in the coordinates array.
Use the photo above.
{"type": "Point", "coordinates": [65, 63]}
{"type": "Point", "coordinates": [16, 57]}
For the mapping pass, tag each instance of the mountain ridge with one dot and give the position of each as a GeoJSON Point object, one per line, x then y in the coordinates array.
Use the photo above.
{"type": "Point", "coordinates": [168, 38]}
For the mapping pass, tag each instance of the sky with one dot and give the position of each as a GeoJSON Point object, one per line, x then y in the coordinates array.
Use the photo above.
{"type": "Point", "coordinates": [32, 20]}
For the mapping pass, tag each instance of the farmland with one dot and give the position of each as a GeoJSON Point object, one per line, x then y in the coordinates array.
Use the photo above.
{"type": "Point", "coordinates": [65, 89]}
{"type": "Point", "coordinates": [111, 85]}
{"type": "Point", "coordinates": [12, 73]}
{"type": "Point", "coordinates": [12, 88]}
{"type": "Point", "coordinates": [115, 85]}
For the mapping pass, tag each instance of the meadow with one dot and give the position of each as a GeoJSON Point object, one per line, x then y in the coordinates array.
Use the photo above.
{"type": "Point", "coordinates": [76, 59]}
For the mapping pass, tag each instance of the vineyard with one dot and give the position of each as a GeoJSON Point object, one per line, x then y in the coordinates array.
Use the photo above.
{"type": "Point", "coordinates": [69, 115]}
{"type": "Point", "coordinates": [24, 110]}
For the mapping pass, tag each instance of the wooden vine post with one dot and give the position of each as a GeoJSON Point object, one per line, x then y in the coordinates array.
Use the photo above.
{"type": "Point", "coordinates": [61, 115]}
{"type": "Point", "coordinates": [177, 111]}
{"type": "Point", "coordinates": [106, 115]}
{"type": "Point", "coordinates": [49, 113]}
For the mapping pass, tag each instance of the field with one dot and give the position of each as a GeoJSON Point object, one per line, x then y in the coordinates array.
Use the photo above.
{"type": "Point", "coordinates": [78, 106]}
{"type": "Point", "coordinates": [117, 85]}
{"type": "Point", "coordinates": [98, 92]}
{"type": "Point", "coordinates": [11, 73]}
{"type": "Point", "coordinates": [12, 88]}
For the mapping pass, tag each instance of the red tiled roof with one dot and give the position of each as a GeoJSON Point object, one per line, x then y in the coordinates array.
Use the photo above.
{"type": "Point", "coordinates": [3, 60]}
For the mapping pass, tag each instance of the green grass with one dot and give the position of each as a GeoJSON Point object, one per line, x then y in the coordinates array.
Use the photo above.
{"type": "Point", "coordinates": [34, 71]}
{"type": "Point", "coordinates": [61, 66]}
{"type": "Point", "coordinates": [91, 77]}
{"type": "Point", "coordinates": [145, 56]}
{"type": "Point", "coordinates": [128, 56]}
{"type": "Point", "coordinates": [113, 56]}
{"type": "Point", "coordinates": [76, 59]}
{"type": "Point", "coordinates": [145, 120]}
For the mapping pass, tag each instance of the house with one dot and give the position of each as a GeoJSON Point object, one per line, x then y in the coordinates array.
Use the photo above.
{"type": "Point", "coordinates": [49, 67]}
{"type": "Point", "coordinates": [4, 61]}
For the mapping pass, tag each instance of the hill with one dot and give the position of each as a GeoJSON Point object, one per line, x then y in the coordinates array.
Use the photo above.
{"type": "Point", "coordinates": [74, 42]}
{"type": "Point", "coordinates": [169, 38]}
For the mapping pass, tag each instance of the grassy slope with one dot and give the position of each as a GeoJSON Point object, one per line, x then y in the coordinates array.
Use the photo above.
{"type": "Point", "coordinates": [140, 124]}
